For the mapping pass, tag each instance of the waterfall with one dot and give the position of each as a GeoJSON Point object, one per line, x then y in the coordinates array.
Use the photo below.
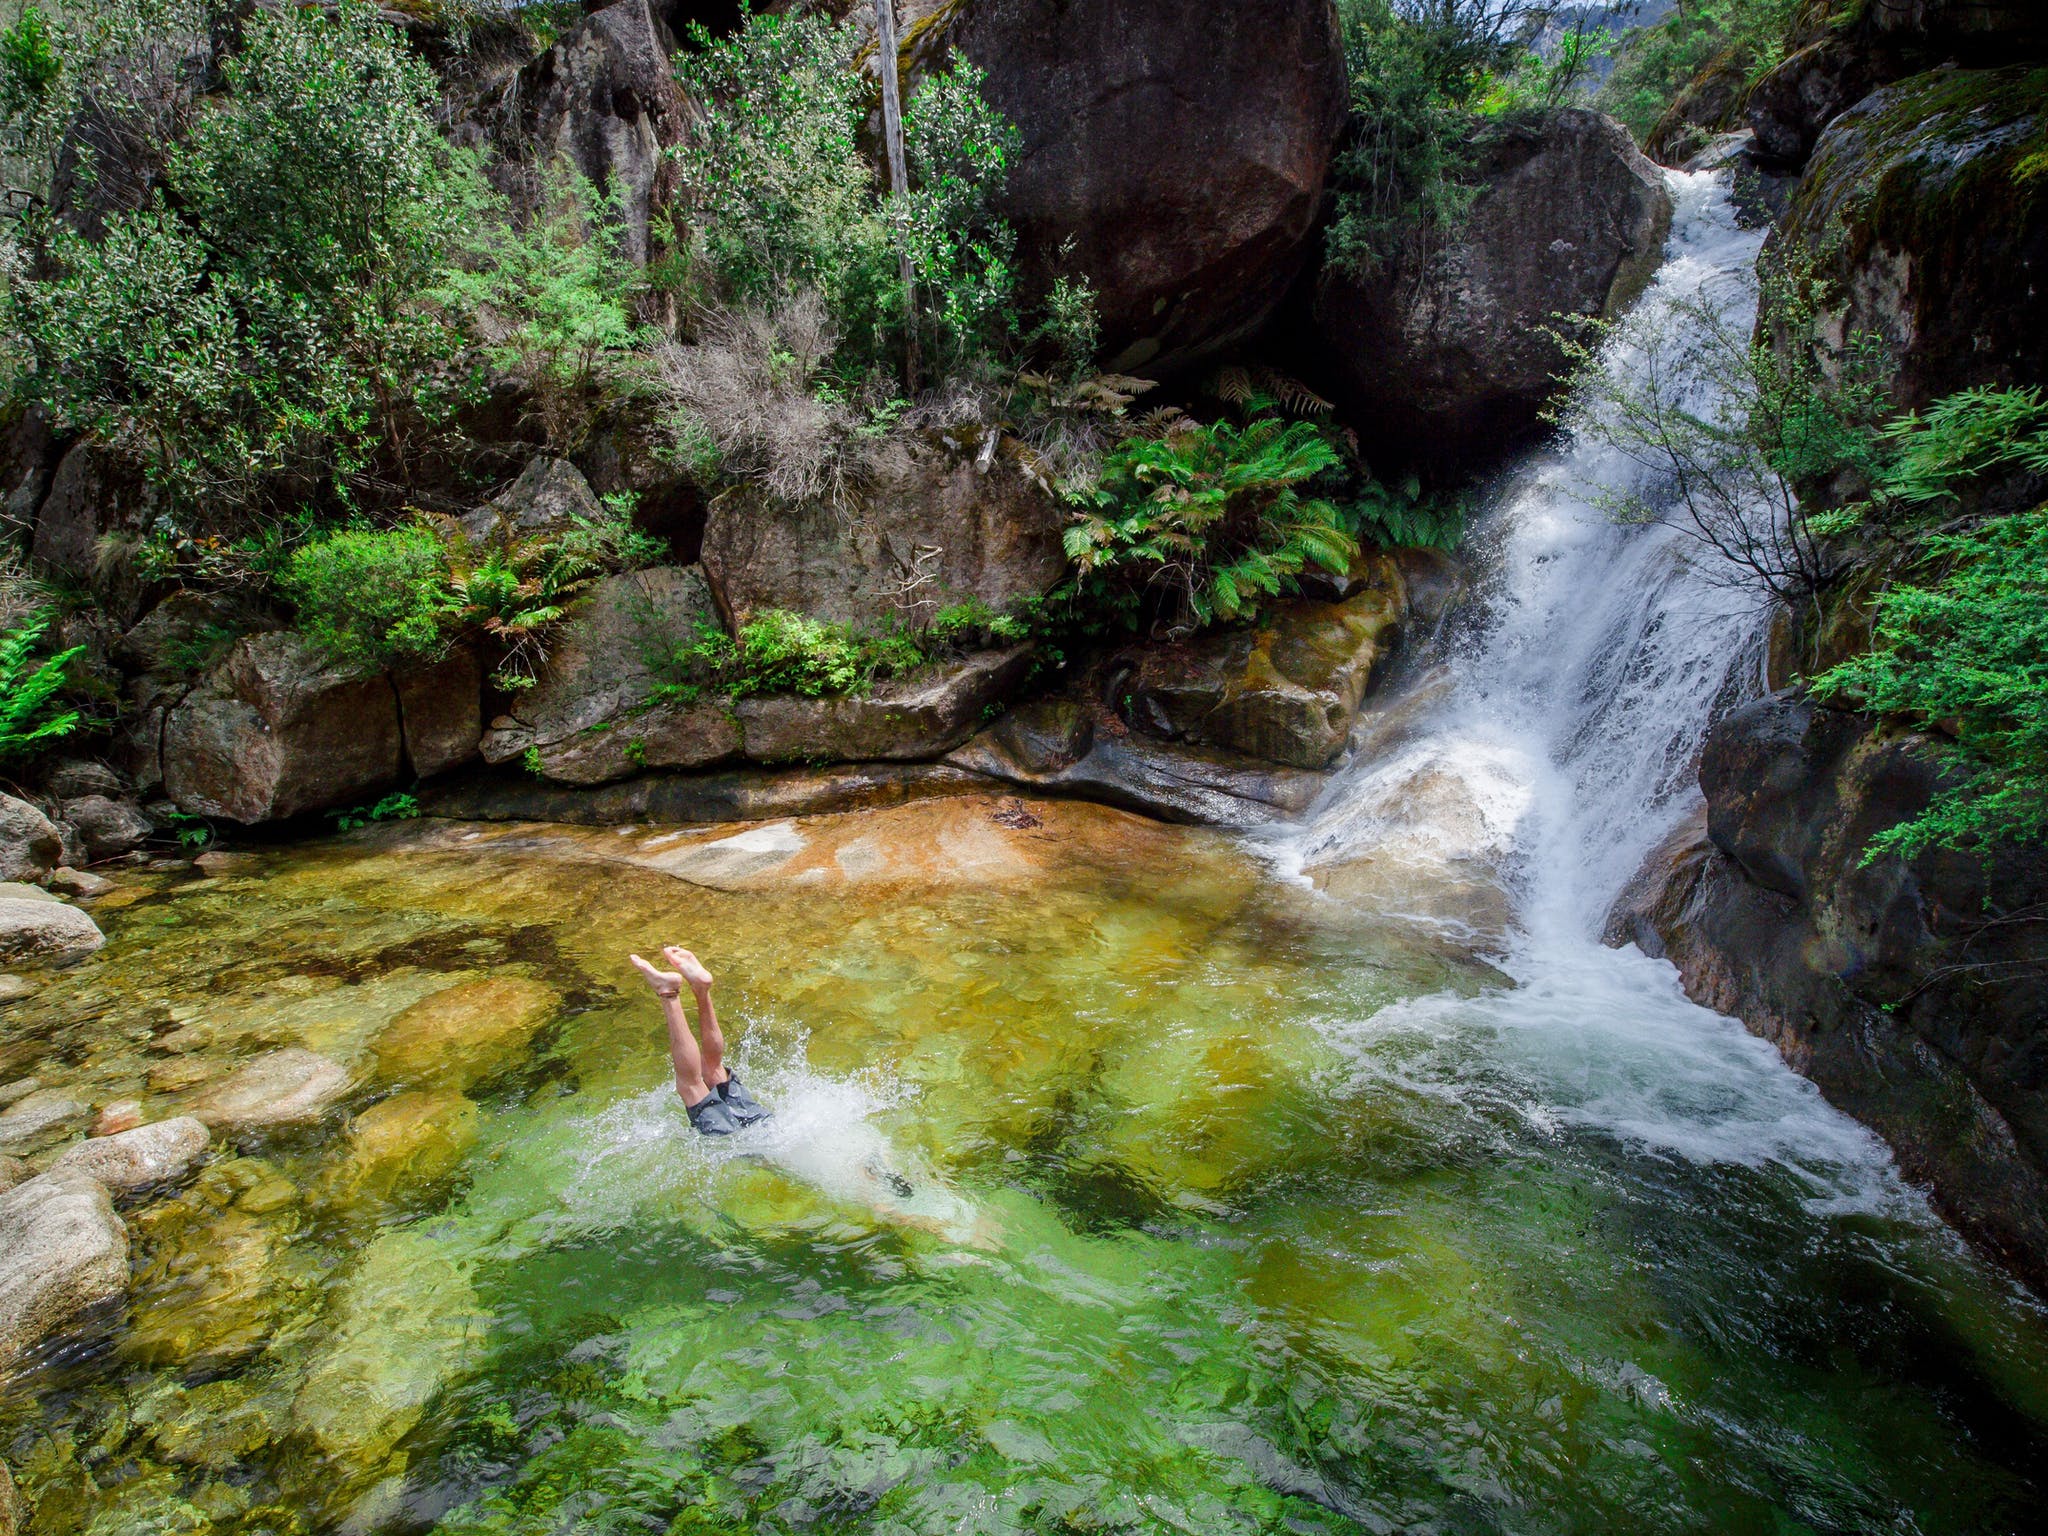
{"type": "Point", "coordinates": [1531, 756]}
{"type": "Point", "coordinates": [1570, 703]}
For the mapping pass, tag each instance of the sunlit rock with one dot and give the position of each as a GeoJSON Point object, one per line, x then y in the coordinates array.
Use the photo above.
{"type": "Point", "coordinates": [63, 1252]}
{"type": "Point", "coordinates": [39, 1118]}
{"type": "Point", "coordinates": [130, 1160]}
{"type": "Point", "coordinates": [293, 1086]}
{"type": "Point", "coordinates": [29, 843]}
{"type": "Point", "coordinates": [34, 925]}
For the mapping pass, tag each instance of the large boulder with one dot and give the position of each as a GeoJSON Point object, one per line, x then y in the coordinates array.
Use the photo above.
{"type": "Point", "coordinates": [931, 711]}
{"type": "Point", "coordinates": [1908, 990]}
{"type": "Point", "coordinates": [1919, 204]}
{"type": "Point", "coordinates": [440, 712]}
{"type": "Point", "coordinates": [936, 531]}
{"type": "Point", "coordinates": [108, 827]}
{"type": "Point", "coordinates": [1287, 689]}
{"type": "Point", "coordinates": [276, 730]}
{"type": "Point", "coordinates": [604, 99]}
{"type": "Point", "coordinates": [30, 845]}
{"type": "Point", "coordinates": [1704, 109]}
{"type": "Point", "coordinates": [63, 1252]}
{"type": "Point", "coordinates": [1174, 155]}
{"type": "Point", "coordinates": [34, 925]}
{"type": "Point", "coordinates": [1840, 51]}
{"type": "Point", "coordinates": [592, 718]}
{"type": "Point", "coordinates": [1446, 354]}
{"type": "Point", "coordinates": [93, 493]}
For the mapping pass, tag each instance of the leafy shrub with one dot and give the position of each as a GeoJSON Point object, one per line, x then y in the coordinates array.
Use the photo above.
{"type": "Point", "coordinates": [553, 299]}
{"type": "Point", "coordinates": [1416, 67]}
{"type": "Point", "coordinates": [1201, 523]}
{"type": "Point", "coordinates": [789, 203]}
{"type": "Point", "coordinates": [1654, 64]}
{"type": "Point", "coordinates": [372, 597]}
{"type": "Point", "coordinates": [264, 315]}
{"type": "Point", "coordinates": [973, 625]}
{"type": "Point", "coordinates": [29, 715]}
{"type": "Point", "coordinates": [777, 651]}
{"type": "Point", "coordinates": [1968, 649]}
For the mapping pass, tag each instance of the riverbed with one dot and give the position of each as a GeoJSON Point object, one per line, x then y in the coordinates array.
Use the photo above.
{"type": "Point", "coordinates": [1115, 1184]}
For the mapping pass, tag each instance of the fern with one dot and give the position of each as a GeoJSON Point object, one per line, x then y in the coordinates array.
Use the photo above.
{"type": "Point", "coordinates": [1407, 517]}
{"type": "Point", "coordinates": [26, 718]}
{"type": "Point", "coordinates": [1257, 390]}
{"type": "Point", "coordinates": [1201, 524]}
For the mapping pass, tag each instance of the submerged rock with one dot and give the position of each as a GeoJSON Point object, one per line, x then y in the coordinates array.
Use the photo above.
{"type": "Point", "coordinates": [276, 730]}
{"type": "Point", "coordinates": [293, 1086]}
{"type": "Point", "coordinates": [40, 1117]}
{"type": "Point", "coordinates": [1446, 354]}
{"type": "Point", "coordinates": [212, 1289]}
{"type": "Point", "coordinates": [463, 1034]}
{"type": "Point", "coordinates": [1172, 155]}
{"type": "Point", "coordinates": [404, 1144]}
{"type": "Point", "coordinates": [63, 1252]}
{"type": "Point", "coordinates": [406, 1322]}
{"type": "Point", "coordinates": [127, 1161]}
{"type": "Point", "coordinates": [30, 845]}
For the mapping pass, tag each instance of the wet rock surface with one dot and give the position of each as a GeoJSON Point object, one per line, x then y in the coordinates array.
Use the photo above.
{"type": "Point", "coordinates": [1910, 991]}
{"type": "Point", "coordinates": [1446, 353]}
{"type": "Point", "coordinates": [1287, 690]}
{"type": "Point", "coordinates": [292, 1086]}
{"type": "Point", "coordinates": [137, 1159]}
{"type": "Point", "coordinates": [63, 1252]}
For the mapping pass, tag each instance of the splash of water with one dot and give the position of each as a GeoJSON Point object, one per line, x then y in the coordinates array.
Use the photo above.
{"type": "Point", "coordinates": [1552, 747]}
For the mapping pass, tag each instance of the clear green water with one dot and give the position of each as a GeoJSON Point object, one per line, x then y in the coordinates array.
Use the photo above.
{"type": "Point", "coordinates": [1114, 1187]}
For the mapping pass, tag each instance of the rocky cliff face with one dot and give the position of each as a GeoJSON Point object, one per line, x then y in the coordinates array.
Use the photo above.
{"type": "Point", "coordinates": [1919, 203]}
{"type": "Point", "coordinates": [1913, 992]}
{"type": "Point", "coordinates": [1448, 352]}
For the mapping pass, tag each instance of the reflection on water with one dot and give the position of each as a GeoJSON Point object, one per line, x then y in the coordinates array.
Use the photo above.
{"type": "Point", "coordinates": [1112, 1186]}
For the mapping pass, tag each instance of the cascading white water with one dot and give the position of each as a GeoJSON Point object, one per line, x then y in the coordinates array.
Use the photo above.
{"type": "Point", "coordinates": [1548, 751]}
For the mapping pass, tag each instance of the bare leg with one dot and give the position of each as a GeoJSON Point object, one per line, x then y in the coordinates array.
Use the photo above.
{"type": "Point", "coordinates": [692, 970]}
{"type": "Point", "coordinates": [682, 1045]}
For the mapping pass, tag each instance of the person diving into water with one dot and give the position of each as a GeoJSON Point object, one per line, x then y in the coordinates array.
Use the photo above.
{"type": "Point", "coordinates": [716, 1102]}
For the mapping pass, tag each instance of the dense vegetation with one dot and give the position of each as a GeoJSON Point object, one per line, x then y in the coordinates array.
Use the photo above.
{"type": "Point", "coordinates": [1740, 39]}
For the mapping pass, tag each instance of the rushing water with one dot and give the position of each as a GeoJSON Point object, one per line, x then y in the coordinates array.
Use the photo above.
{"type": "Point", "coordinates": [1115, 1185]}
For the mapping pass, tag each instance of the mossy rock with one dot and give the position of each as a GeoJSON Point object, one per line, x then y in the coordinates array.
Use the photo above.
{"type": "Point", "coordinates": [1927, 204]}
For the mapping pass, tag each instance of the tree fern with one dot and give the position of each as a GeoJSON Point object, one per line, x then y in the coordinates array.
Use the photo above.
{"type": "Point", "coordinates": [1203, 524]}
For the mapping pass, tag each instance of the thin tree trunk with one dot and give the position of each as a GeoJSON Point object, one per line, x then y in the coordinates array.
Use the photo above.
{"type": "Point", "coordinates": [886, 61]}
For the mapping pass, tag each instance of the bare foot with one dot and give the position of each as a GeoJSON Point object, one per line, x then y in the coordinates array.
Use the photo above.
{"type": "Point", "coordinates": [690, 967]}
{"type": "Point", "coordinates": [665, 983]}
